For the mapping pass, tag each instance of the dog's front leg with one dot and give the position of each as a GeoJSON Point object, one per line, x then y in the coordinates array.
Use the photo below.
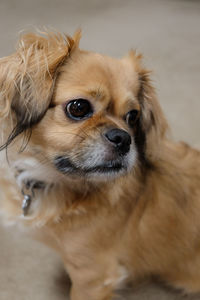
{"type": "Point", "coordinates": [94, 290]}
{"type": "Point", "coordinates": [96, 280]}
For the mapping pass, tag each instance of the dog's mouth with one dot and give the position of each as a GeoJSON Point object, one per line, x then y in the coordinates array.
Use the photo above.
{"type": "Point", "coordinates": [66, 166]}
{"type": "Point", "coordinates": [106, 168]}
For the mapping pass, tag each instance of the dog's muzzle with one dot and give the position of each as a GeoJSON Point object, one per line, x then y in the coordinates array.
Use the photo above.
{"type": "Point", "coordinates": [111, 156]}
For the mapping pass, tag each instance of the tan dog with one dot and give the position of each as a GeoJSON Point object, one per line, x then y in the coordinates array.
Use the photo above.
{"type": "Point", "coordinates": [90, 169]}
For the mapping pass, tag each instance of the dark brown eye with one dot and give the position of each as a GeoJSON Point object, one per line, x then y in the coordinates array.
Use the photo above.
{"type": "Point", "coordinates": [78, 109]}
{"type": "Point", "coordinates": [132, 117]}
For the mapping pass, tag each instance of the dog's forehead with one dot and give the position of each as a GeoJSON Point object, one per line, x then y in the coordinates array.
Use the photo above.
{"type": "Point", "coordinates": [97, 75]}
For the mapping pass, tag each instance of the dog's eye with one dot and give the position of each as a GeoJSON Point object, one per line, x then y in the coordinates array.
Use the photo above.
{"type": "Point", "coordinates": [78, 109]}
{"type": "Point", "coordinates": [132, 117]}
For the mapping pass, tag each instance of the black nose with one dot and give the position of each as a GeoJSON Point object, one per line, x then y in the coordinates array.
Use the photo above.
{"type": "Point", "coordinates": [120, 139]}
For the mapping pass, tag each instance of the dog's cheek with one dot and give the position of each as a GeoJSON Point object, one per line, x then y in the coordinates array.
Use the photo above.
{"type": "Point", "coordinates": [54, 135]}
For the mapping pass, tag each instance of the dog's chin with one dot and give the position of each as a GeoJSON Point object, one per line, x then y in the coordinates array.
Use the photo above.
{"type": "Point", "coordinates": [102, 171]}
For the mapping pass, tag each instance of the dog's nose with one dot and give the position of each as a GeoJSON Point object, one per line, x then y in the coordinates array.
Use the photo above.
{"type": "Point", "coordinates": [120, 139]}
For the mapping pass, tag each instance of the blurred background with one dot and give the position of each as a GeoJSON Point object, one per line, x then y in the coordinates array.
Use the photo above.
{"type": "Point", "coordinates": [167, 32]}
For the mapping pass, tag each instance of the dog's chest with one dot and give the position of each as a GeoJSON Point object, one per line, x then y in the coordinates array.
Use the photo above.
{"type": "Point", "coordinates": [93, 251]}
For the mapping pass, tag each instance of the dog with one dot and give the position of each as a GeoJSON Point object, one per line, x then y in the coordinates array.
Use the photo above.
{"type": "Point", "coordinates": [88, 167]}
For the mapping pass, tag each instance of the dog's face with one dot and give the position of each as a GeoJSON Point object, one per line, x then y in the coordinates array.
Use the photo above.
{"type": "Point", "coordinates": [91, 116]}
{"type": "Point", "coordinates": [89, 130]}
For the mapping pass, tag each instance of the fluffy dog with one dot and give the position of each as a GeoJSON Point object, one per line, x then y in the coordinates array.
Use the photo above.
{"type": "Point", "coordinates": [86, 163]}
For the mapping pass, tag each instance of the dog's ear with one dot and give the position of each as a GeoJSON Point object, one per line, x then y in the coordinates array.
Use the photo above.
{"type": "Point", "coordinates": [152, 122]}
{"type": "Point", "coordinates": [152, 125]}
{"type": "Point", "coordinates": [28, 76]}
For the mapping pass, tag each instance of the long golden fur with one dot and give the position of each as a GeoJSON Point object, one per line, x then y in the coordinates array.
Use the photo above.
{"type": "Point", "coordinates": [112, 217]}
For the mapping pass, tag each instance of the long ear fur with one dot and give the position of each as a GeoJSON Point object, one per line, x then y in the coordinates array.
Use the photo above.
{"type": "Point", "coordinates": [27, 78]}
{"type": "Point", "coordinates": [152, 125]}
{"type": "Point", "coordinates": [153, 122]}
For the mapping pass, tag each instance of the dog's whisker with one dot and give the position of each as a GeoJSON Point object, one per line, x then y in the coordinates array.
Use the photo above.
{"type": "Point", "coordinates": [68, 133]}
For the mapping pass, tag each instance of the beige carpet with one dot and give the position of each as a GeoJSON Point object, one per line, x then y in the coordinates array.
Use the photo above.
{"type": "Point", "coordinates": [168, 33]}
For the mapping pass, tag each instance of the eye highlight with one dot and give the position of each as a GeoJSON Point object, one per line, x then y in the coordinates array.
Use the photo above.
{"type": "Point", "coordinates": [78, 109]}
{"type": "Point", "coordinates": [132, 117]}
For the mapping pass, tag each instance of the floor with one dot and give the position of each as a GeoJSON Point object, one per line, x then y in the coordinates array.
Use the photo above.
{"type": "Point", "coordinates": [168, 34]}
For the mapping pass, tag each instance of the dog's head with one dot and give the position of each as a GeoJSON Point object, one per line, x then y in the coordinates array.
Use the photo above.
{"type": "Point", "coordinates": [90, 116]}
